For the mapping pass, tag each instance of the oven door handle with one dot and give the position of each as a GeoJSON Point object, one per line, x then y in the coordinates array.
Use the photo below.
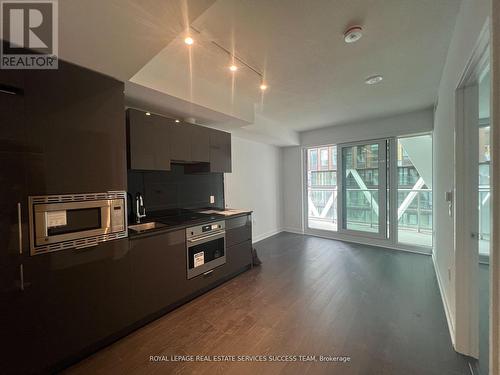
{"type": "Point", "coordinates": [211, 236]}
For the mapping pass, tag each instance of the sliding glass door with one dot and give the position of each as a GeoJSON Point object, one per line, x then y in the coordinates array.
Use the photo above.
{"type": "Point", "coordinates": [363, 192]}
{"type": "Point", "coordinates": [374, 189]}
{"type": "Point", "coordinates": [414, 190]}
{"type": "Point", "coordinates": [322, 188]}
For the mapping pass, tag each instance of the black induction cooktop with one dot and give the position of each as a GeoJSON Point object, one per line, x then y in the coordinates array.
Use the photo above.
{"type": "Point", "coordinates": [183, 217]}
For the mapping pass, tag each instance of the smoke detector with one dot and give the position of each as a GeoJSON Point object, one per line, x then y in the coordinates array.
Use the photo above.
{"type": "Point", "coordinates": [353, 34]}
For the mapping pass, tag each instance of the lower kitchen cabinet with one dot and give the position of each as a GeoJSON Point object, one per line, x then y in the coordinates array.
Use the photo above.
{"type": "Point", "coordinates": [238, 229]}
{"type": "Point", "coordinates": [64, 305]}
{"type": "Point", "coordinates": [238, 243]}
{"type": "Point", "coordinates": [238, 256]}
{"type": "Point", "coordinates": [23, 350]}
{"type": "Point", "coordinates": [158, 272]}
{"type": "Point", "coordinates": [85, 297]}
{"type": "Point", "coordinates": [72, 300]}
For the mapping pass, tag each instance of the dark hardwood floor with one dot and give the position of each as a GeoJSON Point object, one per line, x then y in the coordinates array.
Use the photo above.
{"type": "Point", "coordinates": [311, 296]}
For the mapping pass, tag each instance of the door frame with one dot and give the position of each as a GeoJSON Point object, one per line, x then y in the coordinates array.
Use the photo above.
{"type": "Point", "coordinates": [495, 187]}
{"type": "Point", "coordinates": [466, 275]}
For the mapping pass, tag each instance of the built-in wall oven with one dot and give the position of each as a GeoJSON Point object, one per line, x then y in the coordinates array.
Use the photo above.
{"type": "Point", "coordinates": [59, 222]}
{"type": "Point", "coordinates": [206, 248]}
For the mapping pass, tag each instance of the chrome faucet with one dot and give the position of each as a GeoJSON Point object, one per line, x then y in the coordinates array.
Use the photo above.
{"type": "Point", "coordinates": [140, 210]}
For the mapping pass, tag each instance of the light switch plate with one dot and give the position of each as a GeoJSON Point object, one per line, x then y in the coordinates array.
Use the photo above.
{"type": "Point", "coordinates": [212, 199]}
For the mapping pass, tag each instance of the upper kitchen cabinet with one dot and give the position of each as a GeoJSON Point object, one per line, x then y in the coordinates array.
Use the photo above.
{"type": "Point", "coordinates": [154, 142]}
{"type": "Point", "coordinates": [220, 151]}
{"type": "Point", "coordinates": [75, 120]}
{"type": "Point", "coordinates": [180, 142]}
{"type": "Point", "coordinates": [200, 143]}
{"type": "Point", "coordinates": [148, 142]}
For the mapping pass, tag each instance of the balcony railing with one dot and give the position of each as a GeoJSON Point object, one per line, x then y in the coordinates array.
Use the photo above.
{"type": "Point", "coordinates": [322, 203]}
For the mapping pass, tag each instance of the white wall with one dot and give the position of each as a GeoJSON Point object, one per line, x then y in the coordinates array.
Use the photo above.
{"type": "Point", "coordinates": [255, 184]}
{"type": "Point", "coordinates": [470, 21]}
{"type": "Point", "coordinates": [292, 189]}
{"type": "Point", "coordinates": [403, 124]}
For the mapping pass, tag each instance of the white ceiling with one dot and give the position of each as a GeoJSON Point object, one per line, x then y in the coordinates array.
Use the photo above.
{"type": "Point", "coordinates": [118, 37]}
{"type": "Point", "coordinates": [315, 79]}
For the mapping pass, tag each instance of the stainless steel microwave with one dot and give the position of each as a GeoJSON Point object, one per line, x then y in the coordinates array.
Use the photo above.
{"type": "Point", "coordinates": [59, 222]}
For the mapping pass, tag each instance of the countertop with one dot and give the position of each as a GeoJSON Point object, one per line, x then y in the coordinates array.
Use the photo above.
{"type": "Point", "coordinates": [218, 215]}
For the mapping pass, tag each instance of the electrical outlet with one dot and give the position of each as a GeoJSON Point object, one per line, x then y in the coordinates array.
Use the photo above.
{"type": "Point", "coordinates": [212, 199]}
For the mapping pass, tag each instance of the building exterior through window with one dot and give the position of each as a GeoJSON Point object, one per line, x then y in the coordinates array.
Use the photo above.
{"type": "Point", "coordinates": [361, 179]}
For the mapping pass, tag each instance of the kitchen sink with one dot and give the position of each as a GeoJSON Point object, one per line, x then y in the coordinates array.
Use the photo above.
{"type": "Point", "coordinates": [138, 228]}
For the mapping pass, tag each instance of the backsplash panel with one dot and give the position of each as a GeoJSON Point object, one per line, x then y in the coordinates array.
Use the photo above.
{"type": "Point", "coordinates": [176, 189]}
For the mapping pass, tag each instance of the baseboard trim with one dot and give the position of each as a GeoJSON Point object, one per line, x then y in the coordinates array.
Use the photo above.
{"type": "Point", "coordinates": [447, 312]}
{"type": "Point", "coordinates": [293, 230]}
{"type": "Point", "coordinates": [263, 236]}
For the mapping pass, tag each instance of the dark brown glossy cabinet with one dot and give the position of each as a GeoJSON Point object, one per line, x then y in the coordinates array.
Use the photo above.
{"type": "Point", "coordinates": [220, 151]}
{"type": "Point", "coordinates": [158, 271]}
{"type": "Point", "coordinates": [238, 229]}
{"type": "Point", "coordinates": [200, 143]}
{"type": "Point", "coordinates": [238, 242]}
{"type": "Point", "coordinates": [61, 133]}
{"type": "Point", "coordinates": [70, 302]}
{"type": "Point", "coordinates": [239, 256]}
{"type": "Point", "coordinates": [180, 142]}
{"type": "Point", "coordinates": [75, 120]}
{"type": "Point", "coordinates": [12, 81]}
{"type": "Point", "coordinates": [16, 152]}
{"type": "Point", "coordinates": [86, 297]}
{"type": "Point", "coordinates": [158, 264]}
{"type": "Point", "coordinates": [148, 141]}
{"type": "Point", "coordinates": [154, 142]}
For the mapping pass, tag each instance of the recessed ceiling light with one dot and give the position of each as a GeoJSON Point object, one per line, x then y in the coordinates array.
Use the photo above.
{"type": "Point", "coordinates": [373, 80]}
{"type": "Point", "coordinates": [263, 87]}
{"type": "Point", "coordinates": [353, 34]}
{"type": "Point", "coordinates": [189, 41]}
{"type": "Point", "coordinates": [177, 120]}
{"type": "Point", "coordinates": [148, 114]}
{"type": "Point", "coordinates": [233, 68]}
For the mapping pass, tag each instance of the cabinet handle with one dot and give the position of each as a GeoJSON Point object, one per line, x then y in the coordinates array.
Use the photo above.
{"type": "Point", "coordinates": [11, 90]}
{"type": "Point", "coordinates": [21, 276]}
{"type": "Point", "coordinates": [20, 227]}
{"type": "Point", "coordinates": [197, 239]}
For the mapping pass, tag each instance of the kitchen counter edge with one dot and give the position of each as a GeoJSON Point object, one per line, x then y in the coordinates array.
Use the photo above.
{"type": "Point", "coordinates": [166, 229]}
